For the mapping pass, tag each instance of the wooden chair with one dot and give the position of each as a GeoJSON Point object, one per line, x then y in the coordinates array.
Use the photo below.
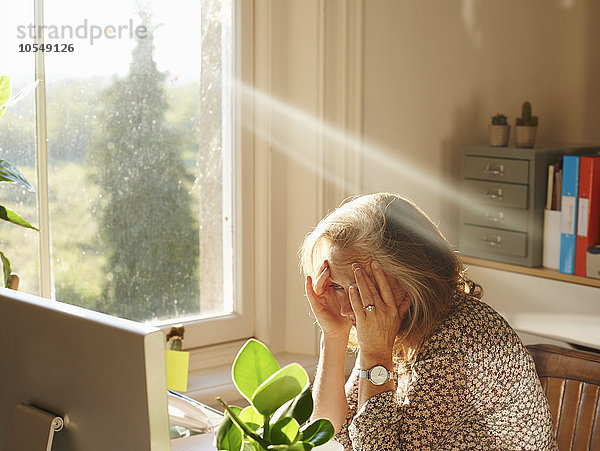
{"type": "Point", "coordinates": [571, 380]}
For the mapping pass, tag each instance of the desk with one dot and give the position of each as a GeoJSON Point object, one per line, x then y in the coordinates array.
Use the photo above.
{"type": "Point", "coordinates": [202, 442]}
{"type": "Point", "coordinates": [570, 328]}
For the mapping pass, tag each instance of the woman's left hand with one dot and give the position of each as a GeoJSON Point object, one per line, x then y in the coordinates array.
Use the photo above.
{"type": "Point", "coordinates": [376, 329]}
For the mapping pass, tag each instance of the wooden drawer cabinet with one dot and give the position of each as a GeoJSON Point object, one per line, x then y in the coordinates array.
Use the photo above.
{"type": "Point", "coordinates": [503, 200]}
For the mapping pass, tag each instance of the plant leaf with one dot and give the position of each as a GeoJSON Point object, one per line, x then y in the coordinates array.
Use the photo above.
{"type": "Point", "coordinates": [253, 365]}
{"type": "Point", "coordinates": [300, 408]}
{"type": "Point", "coordinates": [229, 436]}
{"type": "Point", "coordinates": [252, 418]}
{"type": "Point", "coordinates": [243, 426]}
{"type": "Point", "coordinates": [11, 216]}
{"type": "Point", "coordinates": [317, 432]}
{"type": "Point", "coordinates": [4, 92]}
{"type": "Point", "coordinates": [300, 446]}
{"type": "Point", "coordinates": [250, 446]}
{"type": "Point", "coordinates": [278, 389]}
{"type": "Point", "coordinates": [284, 431]}
{"type": "Point", "coordinates": [9, 173]}
{"type": "Point", "coordinates": [6, 269]}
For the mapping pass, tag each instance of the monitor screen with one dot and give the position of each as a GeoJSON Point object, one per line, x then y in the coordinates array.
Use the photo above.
{"type": "Point", "coordinates": [104, 376]}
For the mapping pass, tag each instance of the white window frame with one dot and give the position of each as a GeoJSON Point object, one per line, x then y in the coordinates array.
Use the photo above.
{"type": "Point", "coordinates": [206, 332]}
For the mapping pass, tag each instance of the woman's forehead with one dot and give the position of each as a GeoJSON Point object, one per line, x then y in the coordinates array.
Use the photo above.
{"type": "Point", "coordinates": [340, 261]}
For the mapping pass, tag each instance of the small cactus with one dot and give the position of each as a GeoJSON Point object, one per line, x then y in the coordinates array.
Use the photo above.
{"type": "Point", "coordinates": [499, 119]}
{"type": "Point", "coordinates": [175, 338]}
{"type": "Point", "coordinates": [526, 118]}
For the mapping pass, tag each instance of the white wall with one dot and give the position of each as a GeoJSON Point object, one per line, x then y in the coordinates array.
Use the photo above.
{"type": "Point", "coordinates": [434, 72]}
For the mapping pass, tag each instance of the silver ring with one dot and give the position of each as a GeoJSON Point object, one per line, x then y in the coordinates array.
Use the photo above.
{"type": "Point", "coordinates": [369, 308]}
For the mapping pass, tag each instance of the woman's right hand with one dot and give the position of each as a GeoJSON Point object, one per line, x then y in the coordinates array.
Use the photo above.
{"type": "Point", "coordinates": [325, 306]}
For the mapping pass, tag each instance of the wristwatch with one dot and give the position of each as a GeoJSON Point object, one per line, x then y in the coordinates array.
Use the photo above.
{"type": "Point", "coordinates": [378, 375]}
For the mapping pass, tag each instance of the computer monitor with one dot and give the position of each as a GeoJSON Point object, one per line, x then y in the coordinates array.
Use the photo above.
{"type": "Point", "coordinates": [104, 376]}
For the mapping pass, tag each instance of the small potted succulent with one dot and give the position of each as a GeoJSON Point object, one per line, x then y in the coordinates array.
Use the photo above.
{"type": "Point", "coordinates": [499, 131]}
{"type": "Point", "coordinates": [525, 127]}
{"type": "Point", "coordinates": [280, 406]}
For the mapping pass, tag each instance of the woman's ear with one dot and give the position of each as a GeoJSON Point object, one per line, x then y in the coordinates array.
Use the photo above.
{"type": "Point", "coordinates": [404, 305]}
{"type": "Point", "coordinates": [403, 301]}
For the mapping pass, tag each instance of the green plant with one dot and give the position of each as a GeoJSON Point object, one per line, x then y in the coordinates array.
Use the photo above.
{"type": "Point", "coordinates": [526, 118]}
{"type": "Point", "coordinates": [175, 338]}
{"type": "Point", "coordinates": [499, 119]}
{"type": "Point", "coordinates": [280, 406]}
{"type": "Point", "coordinates": [10, 174]}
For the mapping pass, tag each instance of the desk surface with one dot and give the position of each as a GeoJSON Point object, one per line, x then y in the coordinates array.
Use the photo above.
{"type": "Point", "coordinates": [202, 442]}
{"type": "Point", "coordinates": [205, 442]}
{"type": "Point", "coordinates": [578, 329]}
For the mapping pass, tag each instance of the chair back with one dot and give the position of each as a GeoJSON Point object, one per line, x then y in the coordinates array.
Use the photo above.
{"type": "Point", "coordinates": [571, 380]}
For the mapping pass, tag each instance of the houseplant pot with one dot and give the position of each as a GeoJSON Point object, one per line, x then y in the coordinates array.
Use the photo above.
{"type": "Point", "coordinates": [526, 127]}
{"type": "Point", "coordinates": [499, 131]}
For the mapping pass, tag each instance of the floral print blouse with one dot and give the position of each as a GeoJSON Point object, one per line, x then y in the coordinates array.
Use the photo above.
{"type": "Point", "coordinates": [473, 386]}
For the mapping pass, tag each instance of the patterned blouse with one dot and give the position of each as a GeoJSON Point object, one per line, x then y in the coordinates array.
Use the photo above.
{"type": "Point", "coordinates": [473, 386]}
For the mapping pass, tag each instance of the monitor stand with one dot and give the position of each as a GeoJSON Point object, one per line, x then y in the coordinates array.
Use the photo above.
{"type": "Point", "coordinates": [32, 429]}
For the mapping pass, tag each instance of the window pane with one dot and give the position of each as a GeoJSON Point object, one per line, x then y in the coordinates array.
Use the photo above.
{"type": "Point", "coordinates": [135, 130]}
{"type": "Point", "coordinates": [17, 146]}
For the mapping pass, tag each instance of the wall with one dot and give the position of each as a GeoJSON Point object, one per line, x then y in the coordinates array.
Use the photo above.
{"type": "Point", "coordinates": [436, 71]}
{"type": "Point", "coordinates": [433, 73]}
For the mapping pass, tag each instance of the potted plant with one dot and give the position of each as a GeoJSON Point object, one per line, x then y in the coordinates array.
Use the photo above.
{"type": "Point", "coordinates": [499, 131]}
{"type": "Point", "coordinates": [280, 406]}
{"type": "Point", "coordinates": [525, 127]}
{"type": "Point", "coordinates": [10, 174]}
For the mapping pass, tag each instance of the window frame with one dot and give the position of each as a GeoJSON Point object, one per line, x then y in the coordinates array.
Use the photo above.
{"type": "Point", "coordinates": [208, 331]}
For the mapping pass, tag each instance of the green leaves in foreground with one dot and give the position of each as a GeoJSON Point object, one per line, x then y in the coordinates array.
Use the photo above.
{"type": "Point", "coordinates": [280, 404]}
{"type": "Point", "coordinates": [5, 269]}
{"type": "Point", "coordinates": [11, 216]}
{"type": "Point", "coordinates": [4, 92]}
{"type": "Point", "coordinates": [9, 173]}
{"type": "Point", "coordinates": [253, 365]}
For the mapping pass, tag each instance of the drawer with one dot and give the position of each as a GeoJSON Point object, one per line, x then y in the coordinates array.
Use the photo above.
{"type": "Point", "coordinates": [491, 216]}
{"type": "Point", "coordinates": [504, 195]}
{"type": "Point", "coordinates": [487, 241]}
{"type": "Point", "coordinates": [500, 169]}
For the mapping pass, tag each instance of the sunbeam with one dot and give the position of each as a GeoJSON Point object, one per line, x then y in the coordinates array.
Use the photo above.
{"type": "Point", "coordinates": [286, 118]}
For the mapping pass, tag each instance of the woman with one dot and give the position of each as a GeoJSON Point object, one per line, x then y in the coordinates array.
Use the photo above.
{"type": "Point", "coordinates": [437, 368]}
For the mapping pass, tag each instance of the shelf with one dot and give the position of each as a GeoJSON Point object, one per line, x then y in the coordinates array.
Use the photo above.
{"type": "Point", "coordinates": [537, 272]}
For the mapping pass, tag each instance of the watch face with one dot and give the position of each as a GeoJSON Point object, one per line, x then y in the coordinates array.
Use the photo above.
{"type": "Point", "coordinates": [379, 375]}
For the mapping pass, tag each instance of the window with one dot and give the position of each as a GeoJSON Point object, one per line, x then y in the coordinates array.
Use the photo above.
{"type": "Point", "coordinates": [139, 210]}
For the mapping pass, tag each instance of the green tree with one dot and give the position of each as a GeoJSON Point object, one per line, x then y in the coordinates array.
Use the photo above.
{"type": "Point", "coordinates": [145, 220]}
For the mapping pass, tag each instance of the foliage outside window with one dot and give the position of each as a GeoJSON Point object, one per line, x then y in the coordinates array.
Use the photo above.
{"type": "Point", "coordinates": [136, 146]}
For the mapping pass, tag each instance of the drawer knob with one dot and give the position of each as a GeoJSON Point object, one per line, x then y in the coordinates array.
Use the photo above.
{"type": "Point", "coordinates": [495, 219]}
{"type": "Point", "coordinates": [494, 169]}
{"type": "Point", "coordinates": [492, 241]}
{"type": "Point", "coordinates": [495, 194]}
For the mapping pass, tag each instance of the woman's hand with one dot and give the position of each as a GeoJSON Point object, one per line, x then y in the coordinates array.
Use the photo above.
{"type": "Point", "coordinates": [325, 307]}
{"type": "Point", "coordinates": [377, 329]}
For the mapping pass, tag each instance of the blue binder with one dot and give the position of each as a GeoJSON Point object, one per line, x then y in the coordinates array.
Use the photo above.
{"type": "Point", "coordinates": [568, 215]}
